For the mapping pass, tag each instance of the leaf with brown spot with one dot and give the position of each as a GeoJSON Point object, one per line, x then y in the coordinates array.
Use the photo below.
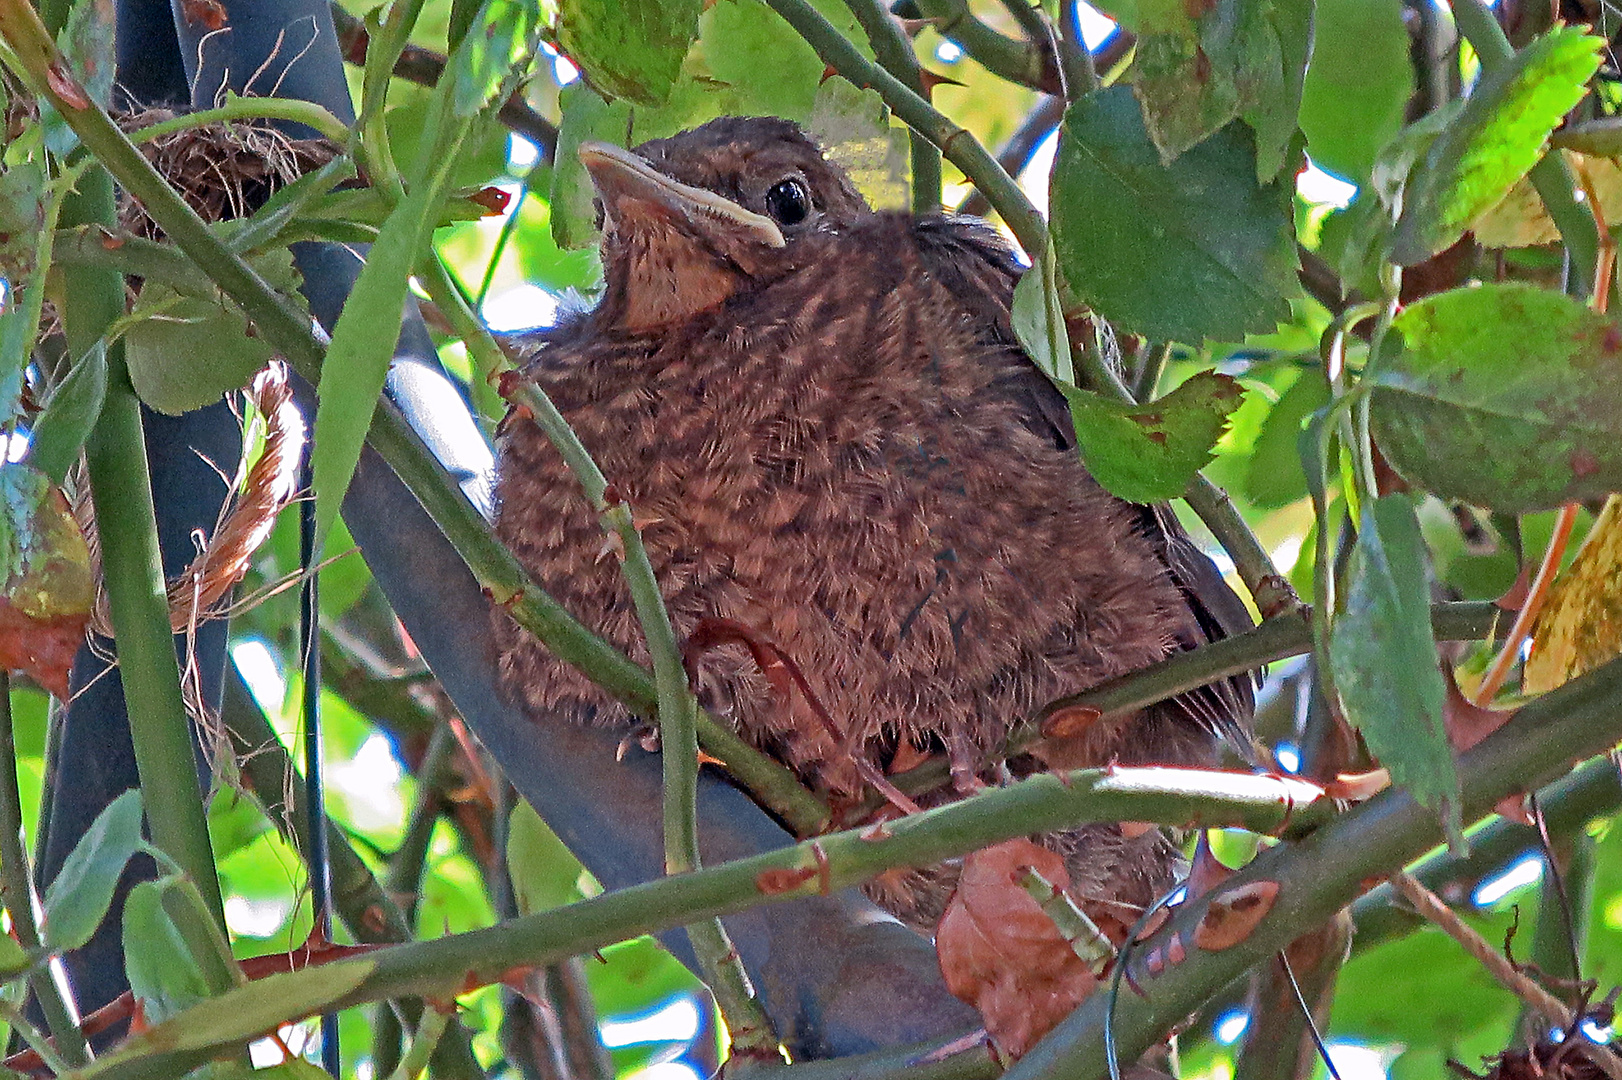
{"type": "Point", "coordinates": [1580, 626]}
{"type": "Point", "coordinates": [1149, 455]}
{"type": "Point", "coordinates": [1000, 953]}
{"type": "Point", "coordinates": [48, 589]}
{"type": "Point", "coordinates": [1234, 915]}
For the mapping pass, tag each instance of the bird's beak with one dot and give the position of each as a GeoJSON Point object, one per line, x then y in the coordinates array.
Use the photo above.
{"type": "Point", "coordinates": [630, 188]}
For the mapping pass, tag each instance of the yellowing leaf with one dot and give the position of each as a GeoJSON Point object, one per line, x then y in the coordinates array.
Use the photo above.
{"type": "Point", "coordinates": [1580, 626]}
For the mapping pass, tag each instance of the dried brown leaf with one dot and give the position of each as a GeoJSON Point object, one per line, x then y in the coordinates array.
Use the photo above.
{"type": "Point", "coordinates": [1000, 953]}
{"type": "Point", "coordinates": [1580, 626]}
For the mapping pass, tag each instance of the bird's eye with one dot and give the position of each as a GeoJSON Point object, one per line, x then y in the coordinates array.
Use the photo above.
{"type": "Point", "coordinates": [788, 202]}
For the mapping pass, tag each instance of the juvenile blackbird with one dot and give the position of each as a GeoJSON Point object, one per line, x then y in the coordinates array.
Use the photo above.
{"type": "Point", "coordinates": [822, 417]}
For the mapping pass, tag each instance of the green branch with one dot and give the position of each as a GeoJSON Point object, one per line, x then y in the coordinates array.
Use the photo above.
{"type": "Point", "coordinates": [1022, 62]}
{"type": "Point", "coordinates": [451, 965]}
{"type": "Point", "coordinates": [1289, 634]}
{"type": "Point", "coordinates": [893, 48]}
{"type": "Point", "coordinates": [1321, 874]}
{"type": "Point", "coordinates": [960, 148]}
{"type": "Point", "coordinates": [18, 894]}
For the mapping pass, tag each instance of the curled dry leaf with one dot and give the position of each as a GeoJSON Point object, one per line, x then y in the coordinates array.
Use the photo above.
{"type": "Point", "coordinates": [1002, 954]}
{"type": "Point", "coordinates": [1580, 626]}
{"type": "Point", "coordinates": [46, 601]}
{"type": "Point", "coordinates": [1234, 915]}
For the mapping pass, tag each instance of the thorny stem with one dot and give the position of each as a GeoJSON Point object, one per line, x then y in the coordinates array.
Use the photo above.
{"type": "Point", "coordinates": [1318, 875]}
{"type": "Point", "coordinates": [1270, 589]}
{"type": "Point", "coordinates": [16, 889]}
{"type": "Point", "coordinates": [1289, 634]}
{"type": "Point", "coordinates": [1315, 876]}
{"type": "Point", "coordinates": [1023, 62]}
{"type": "Point", "coordinates": [893, 49]}
{"type": "Point", "coordinates": [1552, 1009]}
{"type": "Point", "coordinates": [959, 147]}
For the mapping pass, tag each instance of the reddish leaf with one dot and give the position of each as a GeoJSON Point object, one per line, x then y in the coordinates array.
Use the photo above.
{"type": "Point", "coordinates": [1002, 954]}
{"type": "Point", "coordinates": [48, 590]}
{"type": "Point", "coordinates": [1466, 722]}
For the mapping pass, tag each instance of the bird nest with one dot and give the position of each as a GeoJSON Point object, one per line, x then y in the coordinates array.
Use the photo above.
{"type": "Point", "coordinates": [223, 171]}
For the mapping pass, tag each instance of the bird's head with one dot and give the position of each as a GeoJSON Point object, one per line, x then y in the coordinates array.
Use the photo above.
{"type": "Point", "coordinates": [692, 220]}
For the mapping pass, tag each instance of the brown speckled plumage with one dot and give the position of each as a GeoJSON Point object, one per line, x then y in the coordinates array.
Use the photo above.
{"type": "Point", "coordinates": [849, 453]}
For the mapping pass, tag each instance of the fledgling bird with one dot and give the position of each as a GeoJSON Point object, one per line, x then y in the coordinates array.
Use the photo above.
{"type": "Point", "coordinates": [824, 419]}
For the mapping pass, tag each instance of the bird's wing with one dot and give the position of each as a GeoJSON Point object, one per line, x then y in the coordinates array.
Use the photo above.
{"type": "Point", "coordinates": [977, 266]}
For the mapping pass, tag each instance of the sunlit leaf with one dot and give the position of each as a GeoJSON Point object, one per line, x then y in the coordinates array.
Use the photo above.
{"type": "Point", "coordinates": [1515, 429]}
{"type": "Point", "coordinates": [1358, 84]}
{"type": "Point", "coordinates": [1275, 477]}
{"type": "Point", "coordinates": [489, 63]}
{"type": "Point", "coordinates": [1384, 658]}
{"type": "Point", "coordinates": [1521, 220]}
{"type": "Point", "coordinates": [631, 49]}
{"type": "Point", "coordinates": [1495, 140]}
{"type": "Point", "coordinates": [1150, 452]}
{"type": "Point", "coordinates": [1131, 233]}
{"type": "Point", "coordinates": [1580, 626]}
{"type": "Point", "coordinates": [545, 874]}
{"type": "Point", "coordinates": [78, 898]}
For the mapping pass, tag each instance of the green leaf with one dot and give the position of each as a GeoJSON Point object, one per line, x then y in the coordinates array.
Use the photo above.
{"type": "Point", "coordinates": [1384, 658]}
{"type": "Point", "coordinates": [1275, 476]}
{"type": "Point", "coordinates": [1517, 428]}
{"type": "Point", "coordinates": [78, 899]}
{"type": "Point", "coordinates": [87, 41]}
{"type": "Point", "coordinates": [61, 429]}
{"type": "Point", "coordinates": [243, 1013]}
{"type": "Point", "coordinates": [1200, 65]}
{"type": "Point", "coordinates": [586, 117]}
{"type": "Point", "coordinates": [13, 957]}
{"type": "Point", "coordinates": [184, 352]}
{"type": "Point", "coordinates": [1150, 452]}
{"type": "Point", "coordinates": [362, 348]}
{"type": "Point", "coordinates": [1132, 233]}
{"type": "Point", "coordinates": [1495, 141]}
{"type": "Point", "coordinates": [1038, 320]}
{"type": "Point", "coordinates": [162, 971]}
{"type": "Point", "coordinates": [489, 63]}
{"type": "Point", "coordinates": [1358, 84]}
{"type": "Point", "coordinates": [545, 874]}
{"type": "Point", "coordinates": [631, 49]}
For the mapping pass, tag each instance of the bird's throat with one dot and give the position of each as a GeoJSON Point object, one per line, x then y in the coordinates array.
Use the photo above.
{"type": "Point", "coordinates": [661, 276]}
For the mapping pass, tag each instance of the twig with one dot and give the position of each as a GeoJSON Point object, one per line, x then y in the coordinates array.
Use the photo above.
{"type": "Point", "coordinates": [1016, 154]}
{"type": "Point", "coordinates": [17, 891]}
{"type": "Point", "coordinates": [893, 48]}
{"type": "Point", "coordinates": [960, 148]}
{"type": "Point", "coordinates": [424, 67]}
{"type": "Point", "coordinates": [1023, 62]}
{"type": "Point", "coordinates": [1270, 589]}
{"type": "Point", "coordinates": [1551, 1008]}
